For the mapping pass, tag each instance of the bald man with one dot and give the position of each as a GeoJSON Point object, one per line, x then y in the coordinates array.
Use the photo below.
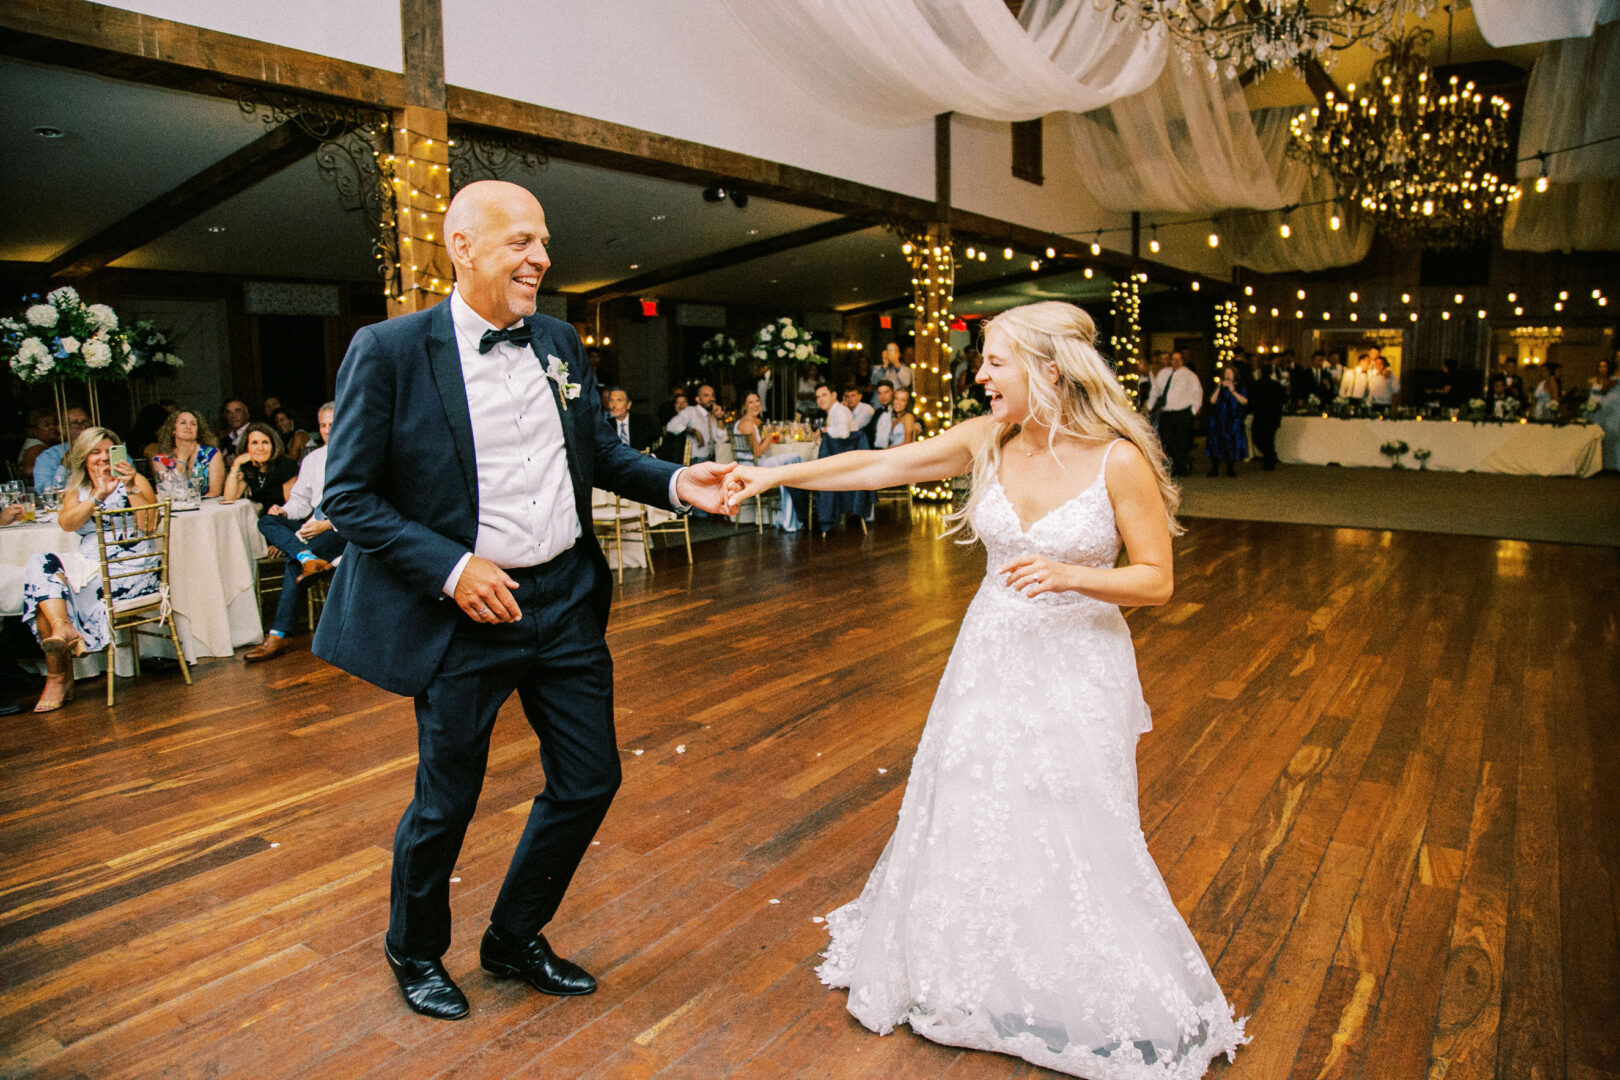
{"type": "Point", "coordinates": [472, 572]}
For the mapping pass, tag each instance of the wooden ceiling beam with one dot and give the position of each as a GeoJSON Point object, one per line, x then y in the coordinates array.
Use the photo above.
{"type": "Point", "coordinates": [259, 159]}
{"type": "Point", "coordinates": [721, 260]}
{"type": "Point", "coordinates": [125, 45]}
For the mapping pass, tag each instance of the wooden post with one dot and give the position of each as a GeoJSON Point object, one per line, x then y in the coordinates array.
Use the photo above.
{"type": "Point", "coordinates": [420, 161]}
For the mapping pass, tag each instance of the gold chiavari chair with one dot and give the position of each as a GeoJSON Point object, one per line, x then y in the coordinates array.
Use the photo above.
{"type": "Point", "coordinates": [679, 525]}
{"type": "Point", "coordinates": [117, 532]}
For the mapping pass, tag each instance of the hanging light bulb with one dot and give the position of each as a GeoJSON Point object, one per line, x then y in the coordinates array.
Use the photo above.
{"type": "Point", "coordinates": [971, 253]}
{"type": "Point", "coordinates": [1195, 286]}
{"type": "Point", "coordinates": [1285, 230]}
{"type": "Point", "coordinates": [1153, 242]}
{"type": "Point", "coordinates": [1007, 253]}
{"type": "Point", "coordinates": [1333, 222]}
{"type": "Point", "coordinates": [1088, 272]}
{"type": "Point", "coordinates": [1214, 240]}
{"type": "Point", "coordinates": [1355, 298]}
{"type": "Point", "coordinates": [1051, 253]}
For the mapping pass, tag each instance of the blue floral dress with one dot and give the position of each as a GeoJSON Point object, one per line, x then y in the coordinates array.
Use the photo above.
{"type": "Point", "coordinates": [44, 578]}
{"type": "Point", "coordinates": [1227, 441]}
{"type": "Point", "coordinates": [199, 464]}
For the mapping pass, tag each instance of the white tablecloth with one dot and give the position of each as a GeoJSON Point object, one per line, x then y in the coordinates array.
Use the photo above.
{"type": "Point", "coordinates": [1457, 445]}
{"type": "Point", "coordinates": [635, 552]}
{"type": "Point", "coordinates": [212, 552]}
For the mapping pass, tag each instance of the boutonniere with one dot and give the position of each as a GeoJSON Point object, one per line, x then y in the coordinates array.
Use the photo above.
{"type": "Point", "coordinates": [557, 372]}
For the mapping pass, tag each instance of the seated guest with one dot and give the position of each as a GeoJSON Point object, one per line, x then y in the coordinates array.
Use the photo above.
{"type": "Point", "coordinates": [749, 426]}
{"type": "Point", "coordinates": [50, 468]}
{"type": "Point", "coordinates": [293, 437]}
{"type": "Point", "coordinates": [636, 432]}
{"type": "Point", "coordinates": [234, 416]}
{"type": "Point", "coordinates": [840, 436]}
{"type": "Point", "coordinates": [877, 425]}
{"type": "Point", "coordinates": [903, 427]}
{"type": "Point", "coordinates": [862, 415]}
{"type": "Point", "coordinates": [43, 434]}
{"type": "Point", "coordinates": [1499, 400]}
{"type": "Point", "coordinates": [300, 532]}
{"type": "Point", "coordinates": [185, 444]}
{"type": "Point", "coordinates": [262, 473]}
{"type": "Point", "coordinates": [1512, 380]}
{"type": "Point", "coordinates": [699, 424]}
{"type": "Point", "coordinates": [1382, 384]}
{"type": "Point", "coordinates": [1444, 391]}
{"type": "Point", "coordinates": [678, 401]}
{"type": "Point", "coordinates": [62, 592]}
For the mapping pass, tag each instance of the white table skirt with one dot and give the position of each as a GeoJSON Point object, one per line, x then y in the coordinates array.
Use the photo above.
{"type": "Point", "coordinates": [1457, 445]}
{"type": "Point", "coordinates": [211, 557]}
{"type": "Point", "coordinates": [635, 552]}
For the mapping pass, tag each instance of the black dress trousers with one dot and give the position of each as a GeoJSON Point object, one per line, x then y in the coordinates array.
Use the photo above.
{"type": "Point", "coordinates": [556, 660]}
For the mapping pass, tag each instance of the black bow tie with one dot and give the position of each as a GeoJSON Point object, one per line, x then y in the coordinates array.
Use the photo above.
{"type": "Point", "coordinates": [517, 335]}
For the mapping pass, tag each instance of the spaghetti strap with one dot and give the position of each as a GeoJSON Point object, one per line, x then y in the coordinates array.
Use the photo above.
{"type": "Point", "coordinates": [1108, 451]}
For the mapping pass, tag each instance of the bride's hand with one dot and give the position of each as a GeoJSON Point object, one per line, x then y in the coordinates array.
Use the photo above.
{"type": "Point", "coordinates": [745, 482]}
{"type": "Point", "coordinates": [1036, 574]}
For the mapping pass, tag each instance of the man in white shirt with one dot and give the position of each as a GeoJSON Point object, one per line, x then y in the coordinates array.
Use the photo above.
{"type": "Point", "coordinates": [699, 424]}
{"type": "Point", "coordinates": [1382, 385]}
{"type": "Point", "coordinates": [861, 414]}
{"type": "Point", "coordinates": [1178, 395]}
{"type": "Point", "coordinates": [891, 369]}
{"type": "Point", "coordinates": [1354, 383]}
{"type": "Point", "coordinates": [840, 420]}
{"type": "Point", "coordinates": [472, 572]}
{"type": "Point", "coordinates": [300, 530]}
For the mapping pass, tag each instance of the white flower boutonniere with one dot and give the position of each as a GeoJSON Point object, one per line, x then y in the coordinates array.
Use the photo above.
{"type": "Point", "coordinates": [557, 372]}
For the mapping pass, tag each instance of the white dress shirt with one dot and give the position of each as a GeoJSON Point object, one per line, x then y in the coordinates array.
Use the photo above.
{"type": "Point", "coordinates": [308, 488]}
{"type": "Point", "coordinates": [1381, 388]}
{"type": "Point", "coordinates": [861, 415]}
{"type": "Point", "coordinates": [526, 513]}
{"type": "Point", "coordinates": [1177, 388]}
{"type": "Point", "coordinates": [840, 421]}
{"type": "Point", "coordinates": [1354, 384]}
{"type": "Point", "coordinates": [699, 419]}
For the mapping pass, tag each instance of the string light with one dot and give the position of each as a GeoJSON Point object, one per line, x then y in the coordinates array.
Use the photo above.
{"type": "Point", "coordinates": [1153, 243]}
{"type": "Point", "coordinates": [1214, 240]}
{"type": "Point", "coordinates": [1126, 306]}
{"type": "Point", "coordinates": [1226, 332]}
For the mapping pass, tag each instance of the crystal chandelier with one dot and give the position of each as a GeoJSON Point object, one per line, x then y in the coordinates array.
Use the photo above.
{"type": "Point", "coordinates": [1417, 156]}
{"type": "Point", "coordinates": [1257, 35]}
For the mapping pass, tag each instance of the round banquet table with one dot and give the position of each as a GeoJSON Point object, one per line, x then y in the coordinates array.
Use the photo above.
{"type": "Point", "coordinates": [1457, 445]}
{"type": "Point", "coordinates": [212, 553]}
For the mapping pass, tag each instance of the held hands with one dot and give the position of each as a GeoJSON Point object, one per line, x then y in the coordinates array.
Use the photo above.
{"type": "Point", "coordinates": [704, 486]}
{"type": "Point", "coordinates": [744, 483]}
{"type": "Point", "coordinates": [1033, 575]}
{"type": "Point", "coordinates": [484, 592]}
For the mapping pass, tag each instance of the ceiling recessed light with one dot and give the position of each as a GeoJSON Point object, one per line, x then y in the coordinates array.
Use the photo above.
{"type": "Point", "coordinates": [46, 131]}
{"type": "Point", "coordinates": [216, 228]}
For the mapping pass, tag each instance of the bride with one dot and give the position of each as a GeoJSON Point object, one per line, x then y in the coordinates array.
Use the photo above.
{"type": "Point", "coordinates": [1016, 907]}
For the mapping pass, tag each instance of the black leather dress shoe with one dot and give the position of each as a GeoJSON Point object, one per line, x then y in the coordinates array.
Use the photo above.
{"type": "Point", "coordinates": [535, 963]}
{"type": "Point", "coordinates": [427, 987]}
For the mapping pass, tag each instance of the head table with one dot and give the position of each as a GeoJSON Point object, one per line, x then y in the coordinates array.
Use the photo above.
{"type": "Point", "coordinates": [212, 553]}
{"type": "Point", "coordinates": [1456, 445]}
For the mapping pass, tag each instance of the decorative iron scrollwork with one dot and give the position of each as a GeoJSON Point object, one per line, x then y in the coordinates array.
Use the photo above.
{"type": "Point", "coordinates": [480, 155]}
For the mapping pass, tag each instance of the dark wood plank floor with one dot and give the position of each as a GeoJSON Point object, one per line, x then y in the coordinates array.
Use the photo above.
{"type": "Point", "coordinates": [1380, 786]}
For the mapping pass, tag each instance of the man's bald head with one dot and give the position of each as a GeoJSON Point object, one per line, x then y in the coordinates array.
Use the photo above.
{"type": "Point", "coordinates": [496, 235]}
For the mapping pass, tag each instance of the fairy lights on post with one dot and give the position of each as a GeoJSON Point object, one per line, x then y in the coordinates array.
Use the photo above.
{"type": "Point", "coordinates": [933, 297]}
{"type": "Point", "coordinates": [418, 170]}
{"type": "Point", "coordinates": [1226, 332]}
{"type": "Point", "coordinates": [1125, 305]}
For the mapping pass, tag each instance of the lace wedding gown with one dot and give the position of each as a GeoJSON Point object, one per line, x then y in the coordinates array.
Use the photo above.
{"type": "Point", "coordinates": [1016, 907]}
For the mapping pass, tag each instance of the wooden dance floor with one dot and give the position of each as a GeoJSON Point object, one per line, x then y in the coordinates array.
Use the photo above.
{"type": "Point", "coordinates": [1380, 784]}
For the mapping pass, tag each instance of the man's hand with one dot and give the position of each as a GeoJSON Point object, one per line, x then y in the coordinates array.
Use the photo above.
{"type": "Point", "coordinates": [277, 511]}
{"type": "Point", "coordinates": [484, 592]}
{"type": "Point", "coordinates": [312, 527]}
{"type": "Point", "coordinates": [704, 486]}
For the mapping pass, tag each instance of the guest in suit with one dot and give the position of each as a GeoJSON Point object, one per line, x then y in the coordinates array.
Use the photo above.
{"type": "Point", "coordinates": [882, 417]}
{"type": "Point", "coordinates": [1266, 399]}
{"type": "Point", "coordinates": [1333, 376]}
{"type": "Point", "coordinates": [233, 430]}
{"type": "Point", "coordinates": [472, 571]}
{"type": "Point", "coordinates": [1302, 379]}
{"type": "Point", "coordinates": [636, 432]}
{"type": "Point", "coordinates": [304, 536]}
{"type": "Point", "coordinates": [1513, 381]}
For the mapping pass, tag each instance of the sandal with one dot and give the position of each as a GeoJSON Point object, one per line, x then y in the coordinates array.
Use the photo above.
{"type": "Point", "coordinates": [67, 694]}
{"type": "Point", "coordinates": [63, 645]}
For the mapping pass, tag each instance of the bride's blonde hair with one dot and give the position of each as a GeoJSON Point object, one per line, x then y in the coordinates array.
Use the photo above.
{"type": "Point", "coordinates": [1086, 402]}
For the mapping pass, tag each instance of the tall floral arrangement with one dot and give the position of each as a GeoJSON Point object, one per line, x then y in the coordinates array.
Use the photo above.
{"type": "Point", "coordinates": [782, 341]}
{"type": "Point", "coordinates": [719, 351]}
{"type": "Point", "coordinates": [61, 337]}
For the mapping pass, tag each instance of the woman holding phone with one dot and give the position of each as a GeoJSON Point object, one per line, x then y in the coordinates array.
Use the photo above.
{"type": "Point", "coordinates": [62, 592]}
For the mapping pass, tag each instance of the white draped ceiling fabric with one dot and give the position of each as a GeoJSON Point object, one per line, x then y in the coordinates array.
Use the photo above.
{"type": "Point", "coordinates": [1187, 143]}
{"type": "Point", "coordinates": [1573, 98]}
{"type": "Point", "coordinates": [1256, 240]}
{"type": "Point", "coordinates": [1525, 22]}
{"type": "Point", "coordinates": [897, 63]}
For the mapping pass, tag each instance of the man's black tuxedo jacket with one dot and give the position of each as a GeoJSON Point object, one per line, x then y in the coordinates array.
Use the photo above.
{"type": "Point", "coordinates": [402, 488]}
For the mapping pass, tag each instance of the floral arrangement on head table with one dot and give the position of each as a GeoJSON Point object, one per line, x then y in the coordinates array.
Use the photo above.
{"type": "Point", "coordinates": [60, 336]}
{"type": "Point", "coordinates": [783, 341]}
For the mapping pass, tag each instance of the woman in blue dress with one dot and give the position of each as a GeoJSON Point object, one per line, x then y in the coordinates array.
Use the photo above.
{"type": "Point", "coordinates": [1603, 399]}
{"type": "Point", "coordinates": [186, 445]}
{"type": "Point", "coordinates": [1226, 440]}
{"type": "Point", "coordinates": [62, 591]}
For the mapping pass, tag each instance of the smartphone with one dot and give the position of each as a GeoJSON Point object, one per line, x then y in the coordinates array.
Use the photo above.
{"type": "Point", "coordinates": [117, 455]}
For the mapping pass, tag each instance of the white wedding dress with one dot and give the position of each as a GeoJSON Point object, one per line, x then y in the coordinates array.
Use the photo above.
{"type": "Point", "coordinates": [1016, 907]}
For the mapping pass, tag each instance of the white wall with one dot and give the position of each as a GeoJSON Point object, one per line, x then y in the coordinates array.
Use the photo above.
{"type": "Point", "coordinates": [685, 69]}
{"type": "Point", "coordinates": [360, 31]}
{"type": "Point", "coordinates": [982, 181]}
